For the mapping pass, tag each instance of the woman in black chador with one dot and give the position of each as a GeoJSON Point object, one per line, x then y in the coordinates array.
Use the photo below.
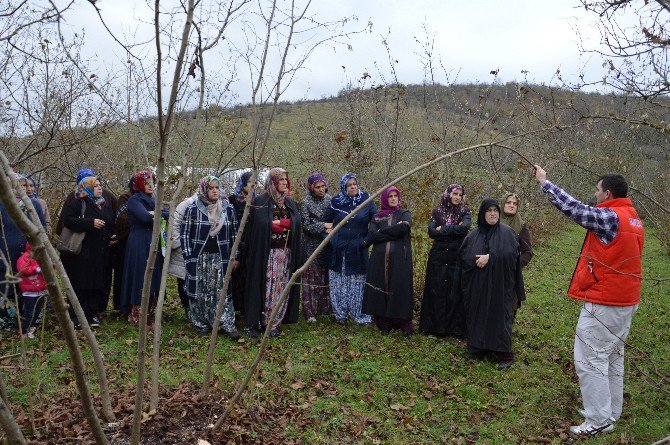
{"type": "Point", "coordinates": [489, 281]}
{"type": "Point", "coordinates": [448, 226]}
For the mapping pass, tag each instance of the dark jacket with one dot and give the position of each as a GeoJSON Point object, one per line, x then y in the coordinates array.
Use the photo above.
{"type": "Point", "coordinates": [389, 290]}
{"type": "Point", "coordinates": [86, 270]}
{"type": "Point", "coordinates": [348, 241]}
{"type": "Point", "coordinates": [137, 251]}
{"type": "Point", "coordinates": [195, 227]}
{"type": "Point", "coordinates": [440, 269]}
{"type": "Point", "coordinates": [258, 249]}
{"type": "Point", "coordinates": [110, 200]}
{"type": "Point", "coordinates": [525, 245]}
{"type": "Point", "coordinates": [15, 241]}
{"type": "Point", "coordinates": [313, 233]}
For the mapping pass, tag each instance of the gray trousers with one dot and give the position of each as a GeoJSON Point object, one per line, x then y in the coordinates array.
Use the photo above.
{"type": "Point", "coordinates": [599, 359]}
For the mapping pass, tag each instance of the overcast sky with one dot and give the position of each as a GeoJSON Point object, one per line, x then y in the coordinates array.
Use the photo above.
{"type": "Point", "coordinates": [472, 38]}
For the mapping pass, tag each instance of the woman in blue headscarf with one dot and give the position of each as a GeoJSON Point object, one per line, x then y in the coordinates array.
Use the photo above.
{"type": "Point", "coordinates": [349, 259]}
{"type": "Point", "coordinates": [89, 213]}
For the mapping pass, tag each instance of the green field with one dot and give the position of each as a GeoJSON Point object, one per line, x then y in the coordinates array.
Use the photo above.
{"type": "Point", "coordinates": [325, 383]}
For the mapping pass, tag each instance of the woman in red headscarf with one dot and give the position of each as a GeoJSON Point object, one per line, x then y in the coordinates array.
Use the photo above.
{"type": "Point", "coordinates": [389, 295]}
{"type": "Point", "coordinates": [141, 207]}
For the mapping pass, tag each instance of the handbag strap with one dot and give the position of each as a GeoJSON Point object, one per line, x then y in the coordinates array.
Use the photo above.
{"type": "Point", "coordinates": [83, 207]}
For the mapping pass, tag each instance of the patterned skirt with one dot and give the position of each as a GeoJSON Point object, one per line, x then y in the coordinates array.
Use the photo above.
{"type": "Point", "coordinates": [210, 272]}
{"type": "Point", "coordinates": [277, 277]}
{"type": "Point", "coordinates": [346, 294]}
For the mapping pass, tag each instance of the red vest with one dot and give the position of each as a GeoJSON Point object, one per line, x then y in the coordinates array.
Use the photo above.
{"type": "Point", "coordinates": [611, 274]}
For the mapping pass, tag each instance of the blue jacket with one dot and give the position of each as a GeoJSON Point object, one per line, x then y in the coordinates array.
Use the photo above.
{"type": "Point", "coordinates": [348, 241]}
{"type": "Point", "coordinates": [193, 234]}
{"type": "Point", "coordinates": [137, 251]}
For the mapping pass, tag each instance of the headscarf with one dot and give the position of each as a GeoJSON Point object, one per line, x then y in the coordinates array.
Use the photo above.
{"type": "Point", "coordinates": [238, 193]}
{"type": "Point", "coordinates": [484, 227]}
{"type": "Point", "coordinates": [85, 188]}
{"type": "Point", "coordinates": [343, 202]}
{"type": "Point", "coordinates": [514, 221]}
{"type": "Point", "coordinates": [386, 208]}
{"type": "Point", "coordinates": [448, 213]}
{"type": "Point", "coordinates": [17, 193]}
{"type": "Point", "coordinates": [271, 182]}
{"type": "Point", "coordinates": [84, 173]}
{"type": "Point", "coordinates": [215, 214]}
{"type": "Point", "coordinates": [140, 179]}
{"type": "Point", "coordinates": [313, 179]}
{"type": "Point", "coordinates": [35, 194]}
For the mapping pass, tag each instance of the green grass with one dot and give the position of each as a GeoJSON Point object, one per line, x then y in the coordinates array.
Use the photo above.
{"type": "Point", "coordinates": [353, 385]}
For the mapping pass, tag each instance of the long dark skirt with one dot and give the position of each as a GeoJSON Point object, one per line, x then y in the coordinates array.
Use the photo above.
{"type": "Point", "coordinates": [315, 291]}
{"type": "Point", "coordinates": [238, 281]}
{"type": "Point", "coordinates": [435, 317]}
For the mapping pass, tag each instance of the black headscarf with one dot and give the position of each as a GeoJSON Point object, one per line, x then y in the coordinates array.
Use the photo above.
{"type": "Point", "coordinates": [485, 228]}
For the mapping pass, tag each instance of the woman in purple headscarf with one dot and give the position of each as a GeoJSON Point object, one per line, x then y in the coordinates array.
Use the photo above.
{"type": "Point", "coordinates": [448, 227]}
{"type": "Point", "coordinates": [315, 294]}
{"type": "Point", "coordinates": [389, 290]}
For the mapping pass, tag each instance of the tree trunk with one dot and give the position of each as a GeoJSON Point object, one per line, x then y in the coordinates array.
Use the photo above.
{"type": "Point", "coordinates": [39, 242]}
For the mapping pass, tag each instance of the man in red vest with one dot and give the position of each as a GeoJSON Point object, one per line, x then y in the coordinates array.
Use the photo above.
{"type": "Point", "coordinates": [608, 279]}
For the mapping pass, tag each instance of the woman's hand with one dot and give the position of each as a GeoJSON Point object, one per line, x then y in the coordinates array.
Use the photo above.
{"type": "Point", "coordinates": [327, 226]}
{"type": "Point", "coordinates": [151, 212]}
{"type": "Point", "coordinates": [98, 223]}
{"type": "Point", "coordinates": [236, 265]}
{"type": "Point", "coordinates": [482, 260]}
{"type": "Point", "coordinates": [438, 228]}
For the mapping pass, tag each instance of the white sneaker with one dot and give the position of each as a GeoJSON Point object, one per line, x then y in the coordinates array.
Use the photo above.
{"type": "Point", "coordinates": [311, 320]}
{"type": "Point", "coordinates": [591, 430]}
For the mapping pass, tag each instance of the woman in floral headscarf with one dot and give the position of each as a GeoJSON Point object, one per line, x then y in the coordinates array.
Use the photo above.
{"type": "Point", "coordinates": [315, 295]}
{"type": "Point", "coordinates": [207, 234]}
{"type": "Point", "coordinates": [273, 254]}
{"type": "Point", "coordinates": [448, 226]}
{"type": "Point", "coordinates": [92, 214]}
{"type": "Point", "coordinates": [140, 207]}
{"type": "Point", "coordinates": [389, 290]}
{"type": "Point", "coordinates": [349, 260]}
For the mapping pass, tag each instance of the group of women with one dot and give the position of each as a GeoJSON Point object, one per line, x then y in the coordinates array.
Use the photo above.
{"type": "Point", "coordinates": [473, 287]}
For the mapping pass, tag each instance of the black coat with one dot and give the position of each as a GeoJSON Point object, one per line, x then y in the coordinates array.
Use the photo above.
{"type": "Point", "coordinates": [489, 295]}
{"type": "Point", "coordinates": [110, 200]}
{"type": "Point", "coordinates": [440, 269]}
{"type": "Point", "coordinates": [87, 270]}
{"type": "Point", "coordinates": [258, 252]}
{"type": "Point", "coordinates": [389, 289]}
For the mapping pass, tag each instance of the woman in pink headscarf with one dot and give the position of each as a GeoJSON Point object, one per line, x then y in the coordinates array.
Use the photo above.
{"type": "Point", "coordinates": [389, 295]}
